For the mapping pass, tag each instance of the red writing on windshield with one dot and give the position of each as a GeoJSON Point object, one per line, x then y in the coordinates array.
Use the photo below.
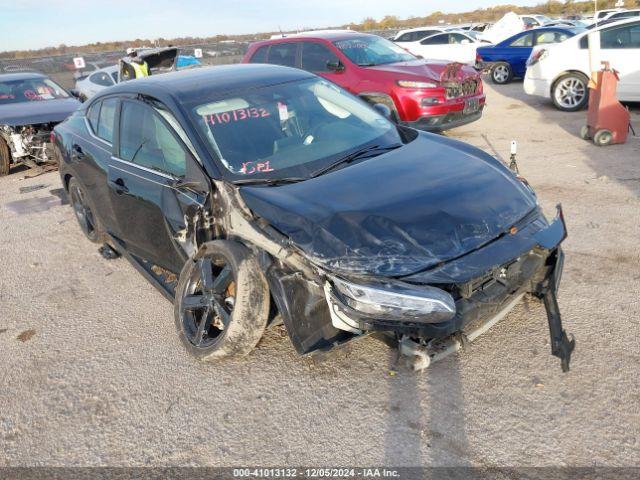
{"type": "Point", "coordinates": [237, 115]}
{"type": "Point", "coordinates": [31, 95]}
{"type": "Point", "coordinates": [249, 168]}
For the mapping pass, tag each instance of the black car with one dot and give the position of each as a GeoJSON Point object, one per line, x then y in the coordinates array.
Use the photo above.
{"type": "Point", "coordinates": [31, 104]}
{"type": "Point", "coordinates": [254, 194]}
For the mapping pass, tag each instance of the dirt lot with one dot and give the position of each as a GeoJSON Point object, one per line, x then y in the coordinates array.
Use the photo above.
{"type": "Point", "coordinates": [92, 372]}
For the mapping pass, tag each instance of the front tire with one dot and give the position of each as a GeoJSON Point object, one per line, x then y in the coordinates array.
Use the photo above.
{"type": "Point", "coordinates": [501, 73]}
{"type": "Point", "coordinates": [5, 158]}
{"type": "Point", "coordinates": [222, 302]}
{"type": "Point", "coordinates": [82, 207]}
{"type": "Point", "coordinates": [570, 92]}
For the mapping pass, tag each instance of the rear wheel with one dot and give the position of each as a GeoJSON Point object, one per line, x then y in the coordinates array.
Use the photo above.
{"type": "Point", "coordinates": [501, 73]}
{"type": "Point", "coordinates": [570, 92]}
{"type": "Point", "coordinates": [603, 138]}
{"type": "Point", "coordinates": [5, 158]}
{"type": "Point", "coordinates": [222, 302]}
{"type": "Point", "coordinates": [83, 211]}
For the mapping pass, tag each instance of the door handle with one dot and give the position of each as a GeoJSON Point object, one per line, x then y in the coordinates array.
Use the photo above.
{"type": "Point", "coordinates": [77, 151]}
{"type": "Point", "coordinates": [119, 186]}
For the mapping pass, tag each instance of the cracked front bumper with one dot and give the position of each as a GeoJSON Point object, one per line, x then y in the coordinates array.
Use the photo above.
{"type": "Point", "coordinates": [481, 297]}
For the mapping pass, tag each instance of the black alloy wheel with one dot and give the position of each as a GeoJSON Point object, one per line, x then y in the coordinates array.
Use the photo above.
{"type": "Point", "coordinates": [208, 305]}
{"type": "Point", "coordinates": [83, 211]}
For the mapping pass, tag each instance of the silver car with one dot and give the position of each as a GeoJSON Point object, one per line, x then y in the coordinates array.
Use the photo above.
{"type": "Point", "coordinates": [96, 81]}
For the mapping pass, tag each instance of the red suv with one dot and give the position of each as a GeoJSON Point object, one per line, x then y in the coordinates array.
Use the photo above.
{"type": "Point", "coordinates": [422, 94]}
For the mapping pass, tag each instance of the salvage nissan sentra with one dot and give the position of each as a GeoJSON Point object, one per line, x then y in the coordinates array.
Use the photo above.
{"type": "Point", "coordinates": [251, 195]}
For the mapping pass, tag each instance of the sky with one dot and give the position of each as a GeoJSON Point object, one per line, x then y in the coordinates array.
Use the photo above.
{"type": "Point", "coordinates": [31, 24]}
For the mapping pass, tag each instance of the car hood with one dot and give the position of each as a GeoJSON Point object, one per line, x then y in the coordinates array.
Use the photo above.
{"type": "Point", "coordinates": [433, 70]}
{"type": "Point", "coordinates": [31, 113]}
{"type": "Point", "coordinates": [399, 213]}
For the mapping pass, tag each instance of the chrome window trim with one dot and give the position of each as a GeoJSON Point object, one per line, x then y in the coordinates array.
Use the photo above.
{"type": "Point", "coordinates": [90, 130]}
{"type": "Point", "coordinates": [155, 172]}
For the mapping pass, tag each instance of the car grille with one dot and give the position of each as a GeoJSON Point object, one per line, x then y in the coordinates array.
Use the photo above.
{"type": "Point", "coordinates": [462, 89]}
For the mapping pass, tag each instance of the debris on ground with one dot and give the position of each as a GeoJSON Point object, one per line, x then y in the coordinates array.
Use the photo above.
{"type": "Point", "coordinates": [33, 188]}
{"type": "Point", "coordinates": [26, 335]}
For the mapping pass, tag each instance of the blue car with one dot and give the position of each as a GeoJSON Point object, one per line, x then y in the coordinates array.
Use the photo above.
{"type": "Point", "coordinates": [508, 59]}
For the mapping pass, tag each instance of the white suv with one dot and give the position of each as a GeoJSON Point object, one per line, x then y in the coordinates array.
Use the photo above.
{"type": "Point", "coordinates": [561, 71]}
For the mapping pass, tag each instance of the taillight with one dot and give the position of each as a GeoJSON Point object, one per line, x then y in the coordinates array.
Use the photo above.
{"type": "Point", "coordinates": [52, 137]}
{"type": "Point", "coordinates": [536, 57]}
{"type": "Point", "coordinates": [478, 57]}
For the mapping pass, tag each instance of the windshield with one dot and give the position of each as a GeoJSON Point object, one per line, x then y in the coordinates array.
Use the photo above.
{"type": "Point", "coordinates": [290, 130]}
{"type": "Point", "coordinates": [371, 51]}
{"type": "Point", "coordinates": [30, 90]}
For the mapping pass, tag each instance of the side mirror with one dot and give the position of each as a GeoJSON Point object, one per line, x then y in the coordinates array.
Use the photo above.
{"type": "Point", "coordinates": [385, 111]}
{"type": "Point", "coordinates": [75, 93]}
{"type": "Point", "coordinates": [465, 42]}
{"type": "Point", "coordinates": [335, 66]}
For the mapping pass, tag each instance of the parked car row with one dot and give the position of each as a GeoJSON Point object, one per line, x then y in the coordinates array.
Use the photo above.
{"type": "Point", "coordinates": [164, 59]}
{"type": "Point", "coordinates": [508, 59]}
{"type": "Point", "coordinates": [561, 72]}
{"type": "Point", "coordinates": [555, 64]}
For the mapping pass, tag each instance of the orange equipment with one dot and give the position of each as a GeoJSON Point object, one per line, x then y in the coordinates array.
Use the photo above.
{"type": "Point", "coordinates": [608, 122]}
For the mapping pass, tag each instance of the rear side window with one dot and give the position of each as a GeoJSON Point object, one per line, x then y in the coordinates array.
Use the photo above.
{"type": "Point", "coordinates": [621, 15]}
{"type": "Point", "coordinates": [457, 38]}
{"type": "Point", "coordinates": [146, 141]}
{"type": "Point", "coordinates": [523, 41]}
{"type": "Point", "coordinates": [93, 114]}
{"type": "Point", "coordinates": [101, 78]}
{"type": "Point", "coordinates": [627, 36]}
{"type": "Point", "coordinates": [283, 54]}
{"type": "Point", "coordinates": [106, 119]}
{"type": "Point", "coordinates": [436, 40]}
{"type": "Point", "coordinates": [260, 56]}
{"type": "Point", "coordinates": [315, 57]}
{"type": "Point", "coordinates": [584, 42]}
{"type": "Point", "coordinates": [550, 37]}
{"type": "Point", "coordinates": [415, 36]}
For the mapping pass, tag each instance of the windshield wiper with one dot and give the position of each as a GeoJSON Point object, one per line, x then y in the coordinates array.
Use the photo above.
{"type": "Point", "coordinates": [358, 154]}
{"type": "Point", "coordinates": [268, 181]}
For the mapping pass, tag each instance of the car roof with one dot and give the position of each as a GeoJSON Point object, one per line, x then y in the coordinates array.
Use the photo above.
{"type": "Point", "coordinates": [417, 29]}
{"type": "Point", "coordinates": [608, 24]}
{"type": "Point", "coordinates": [326, 35]}
{"type": "Point", "coordinates": [7, 77]}
{"type": "Point", "coordinates": [562, 28]}
{"type": "Point", "coordinates": [185, 86]}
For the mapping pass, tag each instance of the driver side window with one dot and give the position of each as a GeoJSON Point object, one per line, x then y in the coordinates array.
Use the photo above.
{"type": "Point", "coordinates": [316, 56]}
{"type": "Point", "coordinates": [436, 40]}
{"type": "Point", "coordinates": [146, 140]}
{"type": "Point", "coordinates": [627, 36]}
{"type": "Point", "coordinates": [524, 41]}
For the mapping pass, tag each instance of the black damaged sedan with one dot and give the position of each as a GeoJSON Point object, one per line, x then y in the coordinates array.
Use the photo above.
{"type": "Point", "coordinates": [251, 195]}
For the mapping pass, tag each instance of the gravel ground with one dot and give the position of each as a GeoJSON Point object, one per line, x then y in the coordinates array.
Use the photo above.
{"type": "Point", "coordinates": [92, 372]}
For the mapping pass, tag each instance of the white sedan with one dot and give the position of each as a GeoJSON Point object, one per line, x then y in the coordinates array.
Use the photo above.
{"type": "Point", "coordinates": [97, 81]}
{"type": "Point", "coordinates": [449, 46]}
{"type": "Point", "coordinates": [561, 71]}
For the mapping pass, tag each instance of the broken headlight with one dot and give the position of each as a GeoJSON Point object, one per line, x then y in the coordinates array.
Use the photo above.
{"type": "Point", "coordinates": [397, 302]}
